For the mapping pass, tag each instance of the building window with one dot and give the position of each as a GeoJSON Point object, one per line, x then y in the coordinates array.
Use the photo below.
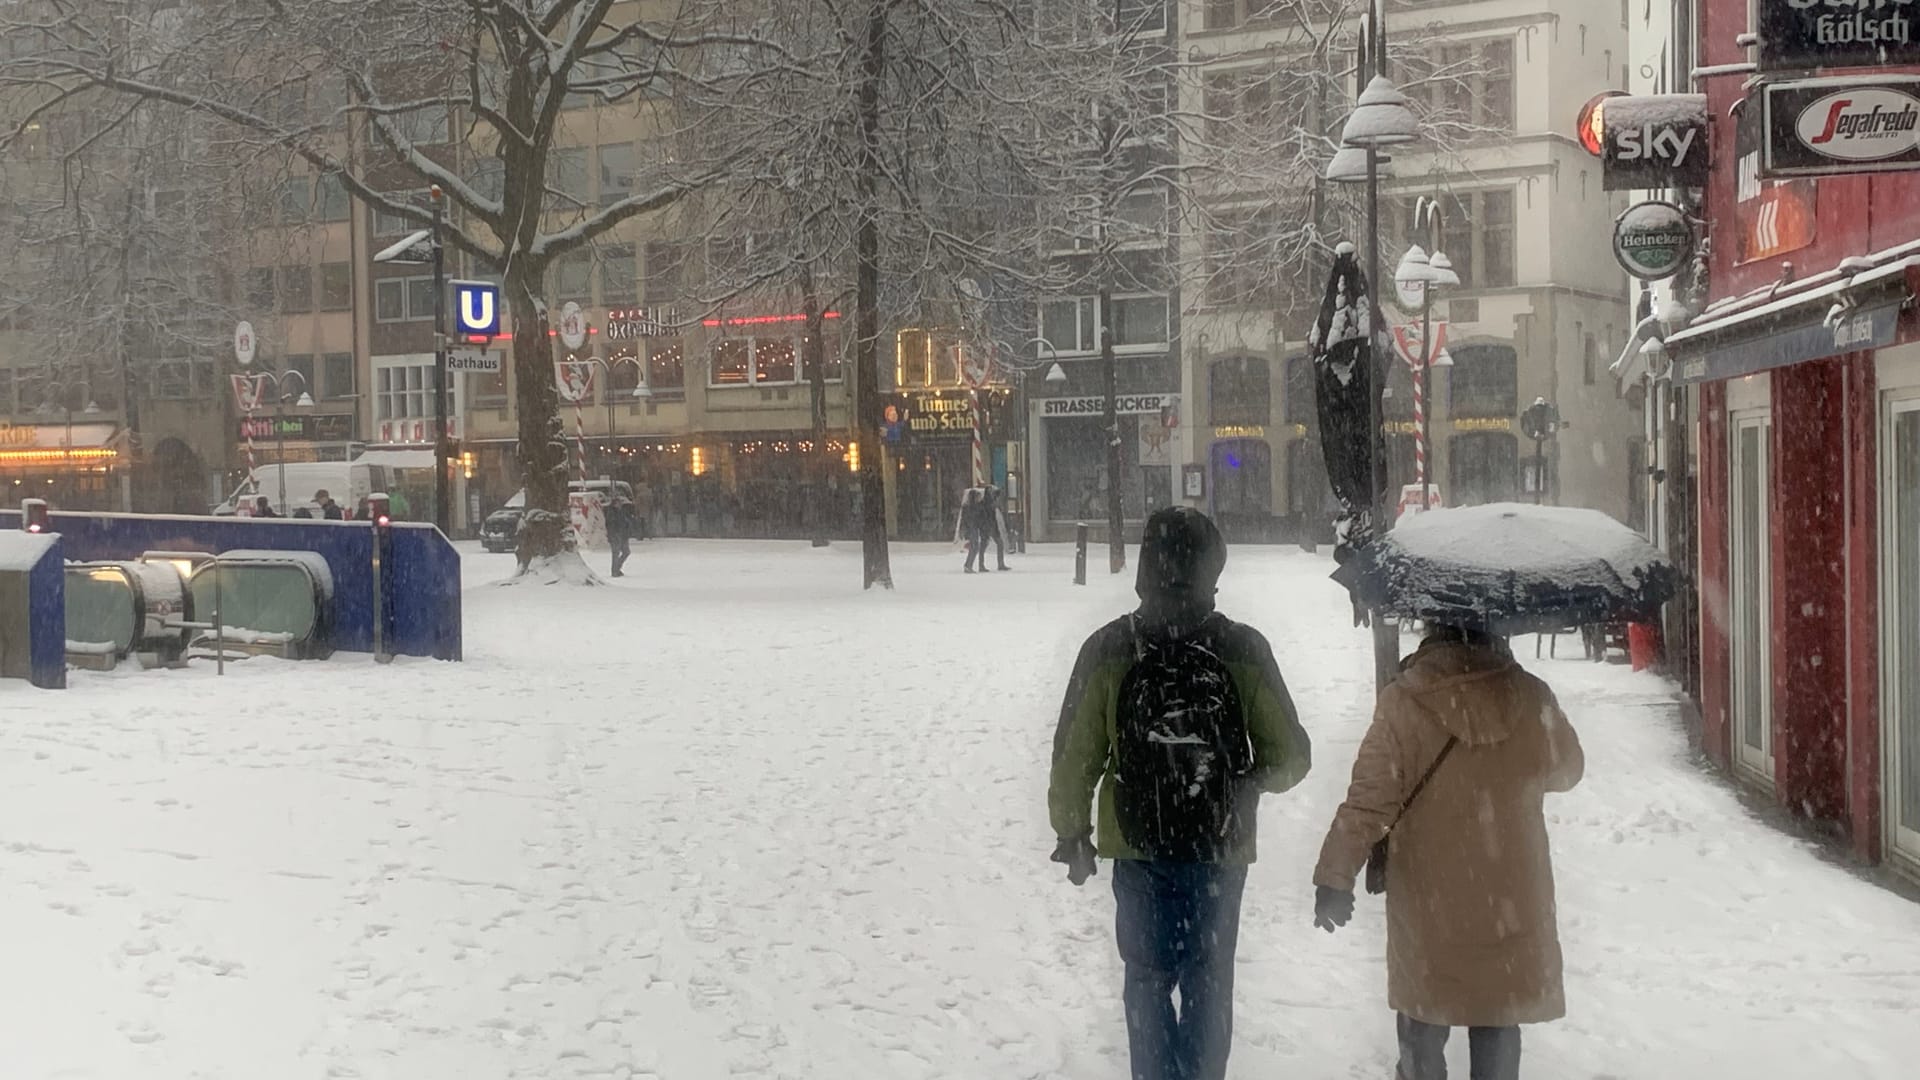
{"type": "Point", "coordinates": [665, 269]}
{"type": "Point", "coordinates": [774, 360]}
{"type": "Point", "coordinates": [1140, 16]}
{"type": "Point", "coordinates": [293, 388]}
{"type": "Point", "coordinates": [1242, 264]}
{"type": "Point", "coordinates": [732, 362]}
{"type": "Point", "coordinates": [618, 163]}
{"type": "Point", "coordinates": [1589, 359]}
{"type": "Point", "coordinates": [573, 277]}
{"type": "Point", "coordinates": [1485, 468]}
{"type": "Point", "coordinates": [1072, 325]}
{"type": "Point", "coordinates": [1242, 478]}
{"type": "Point", "coordinates": [1140, 321]}
{"type": "Point", "coordinates": [336, 286]}
{"type": "Point", "coordinates": [666, 368]}
{"type": "Point", "coordinates": [296, 199]}
{"type": "Point", "coordinates": [260, 288]}
{"type": "Point", "coordinates": [423, 127]}
{"type": "Point", "coordinates": [567, 177]}
{"type": "Point", "coordinates": [1464, 85]}
{"type": "Point", "coordinates": [1077, 469]}
{"type": "Point", "coordinates": [618, 274]}
{"type": "Point", "coordinates": [334, 202]}
{"type": "Point", "coordinates": [1222, 14]}
{"type": "Point", "coordinates": [386, 223]}
{"type": "Point", "coordinates": [403, 299]}
{"type": "Point", "coordinates": [1240, 392]}
{"type": "Point", "coordinates": [296, 289]}
{"type": "Point", "coordinates": [1302, 404]}
{"type": "Point", "coordinates": [1069, 326]}
{"type": "Point", "coordinates": [1486, 381]}
{"type": "Point", "coordinates": [488, 389]}
{"type": "Point", "coordinates": [403, 394]}
{"type": "Point", "coordinates": [1477, 230]}
{"type": "Point", "coordinates": [337, 377]}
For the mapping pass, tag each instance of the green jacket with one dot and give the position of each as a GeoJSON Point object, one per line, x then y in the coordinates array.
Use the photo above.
{"type": "Point", "coordinates": [1083, 742]}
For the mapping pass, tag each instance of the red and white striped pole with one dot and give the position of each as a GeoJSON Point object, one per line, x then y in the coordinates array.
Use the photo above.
{"type": "Point", "coordinates": [1420, 415]}
{"type": "Point", "coordinates": [580, 437]}
{"type": "Point", "coordinates": [979, 447]}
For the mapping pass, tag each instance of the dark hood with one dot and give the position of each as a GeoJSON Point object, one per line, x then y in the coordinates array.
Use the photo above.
{"type": "Point", "coordinates": [1181, 557]}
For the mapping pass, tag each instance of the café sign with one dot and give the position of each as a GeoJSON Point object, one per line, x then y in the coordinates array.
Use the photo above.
{"type": "Point", "coordinates": [1798, 35]}
{"type": "Point", "coordinates": [1832, 127]}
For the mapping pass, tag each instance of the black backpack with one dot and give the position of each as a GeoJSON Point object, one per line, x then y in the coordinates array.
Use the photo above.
{"type": "Point", "coordinates": [1181, 751]}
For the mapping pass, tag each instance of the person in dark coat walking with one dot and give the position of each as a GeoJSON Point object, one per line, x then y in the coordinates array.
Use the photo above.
{"type": "Point", "coordinates": [973, 526]}
{"type": "Point", "coordinates": [1177, 897]}
{"type": "Point", "coordinates": [996, 527]}
{"type": "Point", "coordinates": [329, 510]}
{"type": "Point", "coordinates": [620, 532]}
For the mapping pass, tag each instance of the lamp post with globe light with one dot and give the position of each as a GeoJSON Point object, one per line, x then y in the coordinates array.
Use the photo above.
{"type": "Point", "coordinates": [1381, 118]}
{"type": "Point", "coordinates": [1417, 278]}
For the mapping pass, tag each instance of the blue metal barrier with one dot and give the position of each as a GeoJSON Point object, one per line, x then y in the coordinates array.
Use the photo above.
{"type": "Point", "coordinates": [421, 583]}
{"type": "Point", "coordinates": [31, 570]}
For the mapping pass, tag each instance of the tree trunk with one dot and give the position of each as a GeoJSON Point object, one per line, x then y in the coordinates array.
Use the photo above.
{"type": "Point", "coordinates": [1110, 377]}
{"type": "Point", "coordinates": [873, 532]}
{"type": "Point", "coordinates": [543, 448]}
{"type": "Point", "coordinates": [813, 358]}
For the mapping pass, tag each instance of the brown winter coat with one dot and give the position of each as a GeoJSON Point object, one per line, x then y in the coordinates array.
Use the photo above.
{"type": "Point", "coordinates": [1471, 933]}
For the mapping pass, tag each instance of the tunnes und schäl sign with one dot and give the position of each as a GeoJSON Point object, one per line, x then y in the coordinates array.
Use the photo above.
{"type": "Point", "coordinates": [1799, 35]}
{"type": "Point", "coordinates": [1865, 328]}
{"type": "Point", "coordinates": [1124, 405]}
{"type": "Point", "coordinates": [1832, 127]}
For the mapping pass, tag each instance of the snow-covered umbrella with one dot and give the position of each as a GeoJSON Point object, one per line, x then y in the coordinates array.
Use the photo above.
{"type": "Point", "coordinates": [1511, 568]}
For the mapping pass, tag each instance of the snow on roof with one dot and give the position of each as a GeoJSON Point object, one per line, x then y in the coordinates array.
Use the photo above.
{"type": "Point", "coordinates": [21, 551]}
{"type": "Point", "coordinates": [1719, 319]}
{"type": "Point", "coordinates": [1666, 110]}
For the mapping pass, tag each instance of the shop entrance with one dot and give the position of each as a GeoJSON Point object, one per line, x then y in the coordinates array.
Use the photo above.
{"type": "Point", "coordinates": [1752, 586]}
{"type": "Point", "coordinates": [1900, 596]}
{"type": "Point", "coordinates": [929, 480]}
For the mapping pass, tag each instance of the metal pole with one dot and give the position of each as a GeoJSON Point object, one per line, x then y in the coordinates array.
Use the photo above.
{"type": "Point", "coordinates": [280, 434]}
{"type": "Point", "coordinates": [442, 496]}
{"type": "Point", "coordinates": [379, 607]}
{"type": "Point", "coordinates": [1386, 638]}
{"type": "Point", "coordinates": [219, 623]}
{"type": "Point", "coordinates": [1426, 397]}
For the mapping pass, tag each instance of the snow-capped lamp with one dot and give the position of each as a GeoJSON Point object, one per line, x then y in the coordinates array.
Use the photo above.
{"type": "Point", "coordinates": [1442, 269]}
{"type": "Point", "coordinates": [1380, 118]}
{"type": "Point", "coordinates": [34, 517]}
{"type": "Point", "coordinates": [1349, 166]}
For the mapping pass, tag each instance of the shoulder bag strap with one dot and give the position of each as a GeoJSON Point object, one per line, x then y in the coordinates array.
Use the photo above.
{"type": "Point", "coordinates": [1452, 741]}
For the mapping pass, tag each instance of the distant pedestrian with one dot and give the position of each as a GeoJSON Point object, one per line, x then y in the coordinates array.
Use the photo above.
{"type": "Point", "coordinates": [1179, 717]}
{"type": "Point", "coordinates": [996, 527]}
{"type": "Point", "coordinates": [620, 520]}
{"type": "Point", "coordinates": [973, 526]}
{"type": "Point", "coordinates": [329, 510]}
{"type": "Point", "coordinates": [1453, 776]}
{"type": "Point", "coordinates": [263, 508]}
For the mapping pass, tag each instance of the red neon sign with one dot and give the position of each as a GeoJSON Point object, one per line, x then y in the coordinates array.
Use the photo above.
{"type": "Point", "coordinates": [763, 320]}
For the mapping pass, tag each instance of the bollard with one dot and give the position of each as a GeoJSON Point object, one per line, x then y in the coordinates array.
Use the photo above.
{"type": "Point", "coordinates": [1080, 554]}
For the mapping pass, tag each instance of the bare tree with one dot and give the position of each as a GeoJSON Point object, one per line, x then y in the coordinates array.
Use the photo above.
{"type": "Point", "coordinates": [420, 87]}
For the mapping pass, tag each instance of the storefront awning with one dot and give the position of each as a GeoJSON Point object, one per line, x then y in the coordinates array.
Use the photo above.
{"type": "Point", "coordinates": [1850, 314]}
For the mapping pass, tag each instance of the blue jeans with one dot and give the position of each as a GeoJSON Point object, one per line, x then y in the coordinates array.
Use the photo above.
{"type": "Point", "coordinates": [1178, 925]}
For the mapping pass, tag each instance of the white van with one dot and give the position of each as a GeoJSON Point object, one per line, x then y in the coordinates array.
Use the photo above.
{"type": "Point", "coordinates": [347, 481]}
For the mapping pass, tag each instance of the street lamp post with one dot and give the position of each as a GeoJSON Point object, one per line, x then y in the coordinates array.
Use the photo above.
{"type": "Point", "coordinates": [1380, 118]}
{"type": "Point", "coordinates": [641, 391]}
{"type": "Point", "coordinates": [427, 247]}
{"type": "Point", "coordinates": [281, 395]}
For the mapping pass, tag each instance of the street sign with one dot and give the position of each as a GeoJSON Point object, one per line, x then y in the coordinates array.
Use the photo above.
{"type": "Point", "coordinates": [476, 309]}
{"type": "Point", "coordinates": [248, 390]}
{"type": "Point", "coordinates": [477, 360]}
{"type": "Point", "coordinates": [573, 326]}
{"type": "Point", "coordinates": [244, 343]}
{"type": "Point", "coordinates": [573, 379]}
{"type": "Point", "coordinates": [1653, 240]}
{"type": "Point", "coordinates": [1832, 127]}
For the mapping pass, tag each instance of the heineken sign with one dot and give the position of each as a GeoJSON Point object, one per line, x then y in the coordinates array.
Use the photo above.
{"type": "Point", "coordinates": [1653, 240]}
{"type": "Point", "coordinates": [1799, 35]}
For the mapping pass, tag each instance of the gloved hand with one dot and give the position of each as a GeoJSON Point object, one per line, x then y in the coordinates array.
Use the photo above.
{"type": "Point", "coordinates": [1332, 908]}
{"type": "Point", "coordinates": [1077, 854]}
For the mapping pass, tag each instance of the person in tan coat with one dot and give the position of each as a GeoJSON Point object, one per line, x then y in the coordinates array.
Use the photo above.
{"type": "Point", "coordinates": [1472, 939]}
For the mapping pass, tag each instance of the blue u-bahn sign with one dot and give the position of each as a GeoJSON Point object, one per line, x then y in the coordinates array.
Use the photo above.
{"type": "Point", "coordinates": [476, 309]}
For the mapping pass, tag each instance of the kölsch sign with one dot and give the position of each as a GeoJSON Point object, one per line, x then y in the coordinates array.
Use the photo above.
{"type": "Point", "coordinates": [1654, 141]}
{"type": "Point", "coordinates": [1798, 35]}
{"type": "Point", "coordinates": [1831, 127]}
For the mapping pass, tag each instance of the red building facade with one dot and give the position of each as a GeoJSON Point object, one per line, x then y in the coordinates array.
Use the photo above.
{"type": "Point", "coordinates": [1805, 367]}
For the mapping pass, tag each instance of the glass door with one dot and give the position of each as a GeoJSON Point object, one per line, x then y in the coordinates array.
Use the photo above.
{"type": "Point", "coordinates": [1751, 584]}
{"type": "Point", "coordinates": [1900, 606]}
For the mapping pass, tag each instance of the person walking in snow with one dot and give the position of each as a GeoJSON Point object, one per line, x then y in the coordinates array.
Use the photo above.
{"type": "Point", "coordinates": [1472, 939]}
{"type": "Point", "coordinates": [995, 524]}
{"type": "Point", "coordinates": [1176, 718]}
{"type": "Point", "coordinates": [329, 510]}
{"type": "Point", "coordinates": [620, 526]}
{"type": "Point", "coordinates": [973, 526]}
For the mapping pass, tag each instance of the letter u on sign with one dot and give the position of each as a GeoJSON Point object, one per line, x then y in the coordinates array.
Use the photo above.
{"type": "Point", "coordinates": [476, 308]}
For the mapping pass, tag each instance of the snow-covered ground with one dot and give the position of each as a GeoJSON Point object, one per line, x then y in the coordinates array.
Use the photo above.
{"type": "Point", "coordinates": [730, 816]}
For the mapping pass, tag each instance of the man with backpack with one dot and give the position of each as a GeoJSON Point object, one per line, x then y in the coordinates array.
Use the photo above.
{"type": "Point", "coordinates": [1178, 718]}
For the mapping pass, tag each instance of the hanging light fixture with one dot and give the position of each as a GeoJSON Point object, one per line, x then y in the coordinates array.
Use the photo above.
{"type": "Point", "coordinates": [1349, 166]}
{"type": "Point", "coordinates": [1380, 118]}
{"type": "Point", "coordinates": [1056, 375]}
{"type": "Point", "coordinates": [1441, 268]}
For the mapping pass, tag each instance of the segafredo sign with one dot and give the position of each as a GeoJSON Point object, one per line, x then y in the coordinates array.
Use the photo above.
{"type": "Point", "coordinates": [1826, 127]}
{"type": "Point", "coordinates": [1653, 240]}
